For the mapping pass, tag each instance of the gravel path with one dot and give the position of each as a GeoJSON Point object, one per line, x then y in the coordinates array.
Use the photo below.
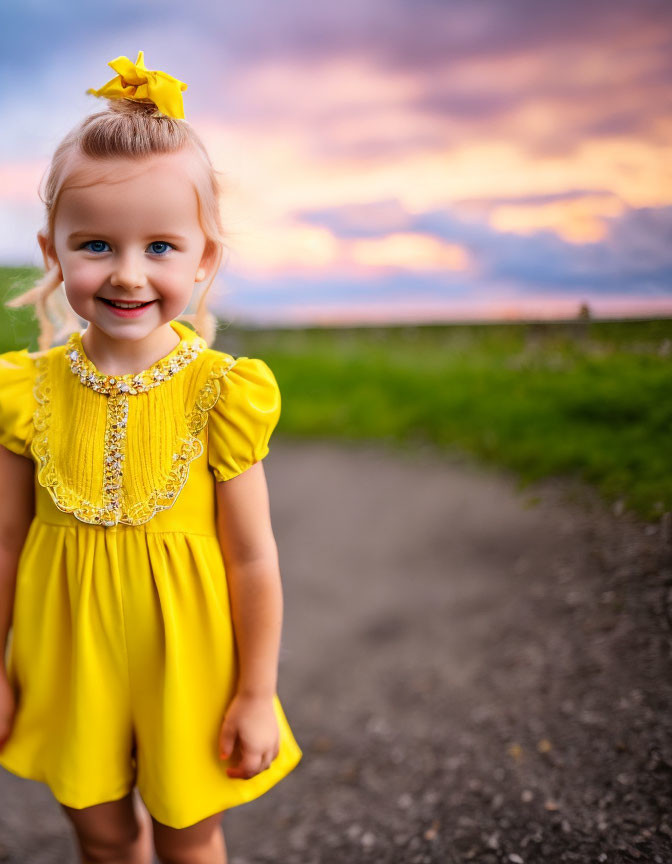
{"type": "Point", "coordinates": [474, 673]}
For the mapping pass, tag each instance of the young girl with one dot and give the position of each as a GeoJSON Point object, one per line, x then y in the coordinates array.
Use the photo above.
{"type": "Point", "coordinates": [138, 567]}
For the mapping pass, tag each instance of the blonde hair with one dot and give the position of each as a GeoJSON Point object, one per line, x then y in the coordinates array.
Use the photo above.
{"type": "Point", "coordinates": [126, 128]}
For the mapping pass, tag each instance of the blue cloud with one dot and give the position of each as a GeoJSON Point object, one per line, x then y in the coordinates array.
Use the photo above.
{"type": "Point", "coordinates": [636, 254]}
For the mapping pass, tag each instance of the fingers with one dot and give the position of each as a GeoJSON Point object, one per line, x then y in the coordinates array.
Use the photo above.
{"type": "Point", "coordinates": [250, 749]}
{"type": "Point", "coordinates": [227, 740]}
{"type": "Point", "coordinates": [251, 763]}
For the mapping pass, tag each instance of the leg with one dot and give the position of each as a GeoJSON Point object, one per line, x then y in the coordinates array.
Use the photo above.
{"type": "Point", "coordinates": [202, 843]}
{"type": "Point", "coordinates": [115, 832]}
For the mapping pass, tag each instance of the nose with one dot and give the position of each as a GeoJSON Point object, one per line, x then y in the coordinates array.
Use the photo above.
{"type": "Point", "coordinates": [128, 271]}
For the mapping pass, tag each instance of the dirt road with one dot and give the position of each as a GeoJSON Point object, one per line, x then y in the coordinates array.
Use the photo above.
{"type": "Point", "coordinates": [474, 673]}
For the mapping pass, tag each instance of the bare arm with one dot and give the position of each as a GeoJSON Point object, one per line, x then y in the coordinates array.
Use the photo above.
{"type": "Point", "coordinates": [251, 560]}
{"type": "Point", "coordinates": [17, 509]}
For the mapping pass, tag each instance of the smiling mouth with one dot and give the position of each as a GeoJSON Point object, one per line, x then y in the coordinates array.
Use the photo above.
{"type": "Point", "coordinates": [122, 305]}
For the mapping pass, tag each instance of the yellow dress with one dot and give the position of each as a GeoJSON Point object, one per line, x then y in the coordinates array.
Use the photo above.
{"type": "Point", "coordinates": [122, 653]}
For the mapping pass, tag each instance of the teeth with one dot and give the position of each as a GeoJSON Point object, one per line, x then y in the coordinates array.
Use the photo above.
{"type": "Point", "coordinates": [124, 305]}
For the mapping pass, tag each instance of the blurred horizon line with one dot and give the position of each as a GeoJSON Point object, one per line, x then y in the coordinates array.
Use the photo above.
{"type": "Point", "coordinates": [628, 309]}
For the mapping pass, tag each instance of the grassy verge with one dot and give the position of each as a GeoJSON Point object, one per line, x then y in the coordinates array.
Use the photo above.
{"type": "Point", "coordinates": [588, 400]}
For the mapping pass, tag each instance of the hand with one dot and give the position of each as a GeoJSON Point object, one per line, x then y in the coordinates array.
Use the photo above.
{"type": "Point", "coordinates": [249, 735]}
{"type": "Point", "coordinates": [7, 708]}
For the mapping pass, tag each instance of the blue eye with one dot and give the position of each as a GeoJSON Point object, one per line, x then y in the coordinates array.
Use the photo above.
{"type": "Point", "coordinates": [94, 243]}
{"type": "Point", "coordinates": [161, 243]}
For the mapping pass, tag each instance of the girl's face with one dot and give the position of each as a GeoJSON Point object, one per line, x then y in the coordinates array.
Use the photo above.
{"type": "Point", "coordinates": [129, 231]}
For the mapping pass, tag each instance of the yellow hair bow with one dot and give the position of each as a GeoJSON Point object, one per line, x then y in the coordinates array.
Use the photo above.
{"type": "Point", "coordinates": [136, 82]}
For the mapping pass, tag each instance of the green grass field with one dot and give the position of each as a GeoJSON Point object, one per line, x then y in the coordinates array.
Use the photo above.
{"type": "Point", "coordinates": [589, 400]}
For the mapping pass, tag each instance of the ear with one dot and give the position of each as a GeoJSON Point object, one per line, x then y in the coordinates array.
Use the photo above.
{"type": "Point", "coordinates": [48, 253]}
{"type": "Point", "coordinates": [209, 261]}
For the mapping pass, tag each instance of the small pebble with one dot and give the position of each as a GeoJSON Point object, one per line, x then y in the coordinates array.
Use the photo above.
{"type": "Point", "coordinates": [431, 832]}
{"type": "Point", "coordinates": [368, 840]}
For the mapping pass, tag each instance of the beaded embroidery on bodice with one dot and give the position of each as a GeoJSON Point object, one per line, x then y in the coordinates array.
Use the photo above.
{"type": "Point", "coordinates": [133, 383]}
{"type": "Point", "coordinates": [114, 507]}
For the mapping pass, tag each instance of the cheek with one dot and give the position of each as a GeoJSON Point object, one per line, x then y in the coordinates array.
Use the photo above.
{"type": "Point", "coordinates": [81, 277]}
{"type": "Point", "coordinates": [176, 281]}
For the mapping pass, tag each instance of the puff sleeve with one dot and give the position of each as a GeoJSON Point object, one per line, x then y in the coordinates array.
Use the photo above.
{"type": "Point", "coordinates": [243, 418]}
{"type": "Point", "coordinates": [17, 400]}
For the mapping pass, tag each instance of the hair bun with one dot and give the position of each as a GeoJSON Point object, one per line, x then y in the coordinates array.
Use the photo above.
{"type": "Point", "coordinates": [134, 106]}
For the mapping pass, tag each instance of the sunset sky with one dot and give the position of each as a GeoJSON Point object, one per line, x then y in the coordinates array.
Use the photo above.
{"type": "Point", "coordinates": [386, 160]}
